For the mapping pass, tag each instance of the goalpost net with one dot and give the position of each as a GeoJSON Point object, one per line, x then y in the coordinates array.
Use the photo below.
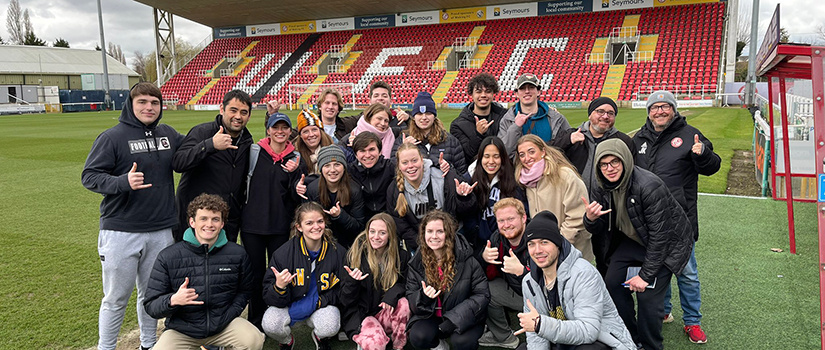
{"type": "Point", "coordinates": [306, 95]}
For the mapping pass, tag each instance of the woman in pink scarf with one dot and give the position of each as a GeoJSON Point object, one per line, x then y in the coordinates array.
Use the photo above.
{"type": "Point", "coordinates": [376, 119]}
{"type": "Point", "coordinates": [552, 183]}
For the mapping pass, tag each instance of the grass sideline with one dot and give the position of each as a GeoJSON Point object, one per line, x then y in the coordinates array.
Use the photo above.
{"type": "Point", "coordinates": [51, 282]}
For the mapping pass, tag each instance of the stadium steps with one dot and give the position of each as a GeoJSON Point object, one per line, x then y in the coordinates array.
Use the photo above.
{"type": "Point", "coordinates": [613, 81]}
{"type": "Point", "coordinates": [310, 91]}
{"type": "Point", "coordinates": [444, 86]}
{"type": "Point", "coordinates": [353, 56]}
{"type": "Point", "coordinates": [350, 43]}
{"type": "Point", "coordinates": [472, 39]}
{"type": "Point", "coordinates": [285, 67]}
{"type": "Point", "coordinates": [244, 59]}
{"type": "Point", "coordinates": [481, 54]}
{"type": "Point", "coordinates": [647, 43]}
{"type": "Point", "coordinates": [313, 69]}
{"type": "Point", "coordinates": [442, 57]}
{"type": "Point", "coordinates": [631, 21]}
{"type": "Point", "coordinates": [203, 91]}
{"type": "Point", "coordinates": [599, 47]}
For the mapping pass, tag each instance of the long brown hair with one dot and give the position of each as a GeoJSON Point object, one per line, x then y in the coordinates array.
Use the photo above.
{"type": "Point", "coordinates": [554, 160]}
{"type": "Point", "coordinates": [431, 263]}
{"type": "Point", "coordinates": [385, 267]}
{"type": "Point", "coordinates": [401, 203]}
{"type": "Point", "coordinates": [306, 154]}
{"type": "Point", "coordinates": [343, 189]}
{"type": "Point", "coordinates": [437, 131]}
{"type": "Point", "coordinates": [305, 208]}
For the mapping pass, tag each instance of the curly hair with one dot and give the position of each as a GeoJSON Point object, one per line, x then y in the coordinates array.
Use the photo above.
{"type": "Point", "coordinates": [554, 159]}
{"type": "Point", "coordinates": [401, 203]}
{"type": "Point", "coordinates": [385, 266]}
{"type": "Point", "coordinates": [211, 202]}
{"type": "Point", "coordinates": [305, 208]}
{"type": "Point", "coordinates": [482, 80]}
{"type": "Point", "coordinates": [428, 258]}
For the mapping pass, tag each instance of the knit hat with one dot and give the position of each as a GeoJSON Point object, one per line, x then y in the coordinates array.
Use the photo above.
{"type": "Point", "coordinates": [601, 101]}
{"type": "Point", "coordinates": [307, 118]}
{"type": "Point", "coordinates": [528, 78]}
{"type": "Point", "coordinates": [424, 103]}
{"type": "Point", "coordinates": [544, 225]}
{"type": "Point", "coordinates": [331, 153]}
{"type": "Point", "coordinates": [661, 96]}
{"type": "Point", "coordinates": [277, 117]}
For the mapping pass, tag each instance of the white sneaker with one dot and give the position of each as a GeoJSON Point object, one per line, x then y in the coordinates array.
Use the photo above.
{"type": "Point", "coordinates": [668, 318]}
{"type": "Point", "coordinates": [488, 340]}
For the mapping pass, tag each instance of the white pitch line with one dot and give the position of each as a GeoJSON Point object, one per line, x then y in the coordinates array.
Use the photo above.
{"type": "Point", "coordinates": [730, 196]}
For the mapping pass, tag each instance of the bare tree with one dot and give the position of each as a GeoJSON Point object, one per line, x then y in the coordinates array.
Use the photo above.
{"type": "Point", "coordinates": [14, 23]}
{"type": "Point", "coordinates": [820, 32]}
{"type": "Point", "coordinates": [744, 25]}
{"type": "Point", "coordinates": [139, 63]}
{"type": "Point", "coordinates": [27, 23]}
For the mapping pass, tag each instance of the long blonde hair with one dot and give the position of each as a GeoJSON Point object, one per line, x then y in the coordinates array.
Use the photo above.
{"type": "Point", "coordinates": [437, 131]}
{"type": "Point", "coordinates": [554, 159]}
{"type": "Point", "coordinates": [385, 267]}
{"type": "Point", "coordinates": [401, 203]}
{"type": "Point", "coordinates": [428, 258]}
{"type": "Point", "coordinates": [305, 208]}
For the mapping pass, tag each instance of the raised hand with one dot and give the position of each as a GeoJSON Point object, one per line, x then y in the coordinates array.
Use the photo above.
{"type": "Point", "coordinates": [577, 136]}
{"type": "Point", "coordinates": [594, 210]}
{"type": "Point", "coordinates": [698, 146]}
{"type": "Point", "coordinates": [528, 320]}
{"type": "Point", "coordinates": [521, 118]}
{"type": "Point", "coordinates": [463, 189]}
{"type": "Point", "coordinates": [273, 106]}
{"type": "Point", "coordinates": [409, 139]}
{"type": "Point", "coordinates": [334, 211]}
{"type": "Point", "coordinates": [482, 125]}
{"type": "Point", "coordinates": [185, 295]}
{"type": "Point", "coordinates": [136, 179]}
{"type": "Point", "coordinates": [400, 115]}
{"type": "Point", "coordinates": [301, 188]}
{"type": "Point", "coordinates": [386, 306]}
{"type": "Point", "coordinates": [291, 164]}
{"type": "Point", "coordinates": [222, 141]}
{"type": "Point", "coordinates": [490, 254]}
{"type": "Point", "coordinates": [512, 265]}
{"type": "Point", "coordinates": [430, 292]}
{"type": "Point", "coordinates": [445, 167]}
{"type": "Point", "coordinates": [356, 274]}
{"type": "Point", "coordinates": [283, 278]}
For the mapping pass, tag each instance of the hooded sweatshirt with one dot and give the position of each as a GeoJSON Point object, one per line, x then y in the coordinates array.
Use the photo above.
{"type": "Point", "coordinates": [618, 191]}
{"type": "Point", "coordinates": [546, 123]}
{"type": "Point", "coordinates": [417, 198]}
{"type": "Point", "coordinates": [110, 160]}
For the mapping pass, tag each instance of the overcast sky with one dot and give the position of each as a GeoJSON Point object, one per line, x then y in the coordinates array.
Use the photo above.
{"type": "Point", "coordinates": [129, 23]}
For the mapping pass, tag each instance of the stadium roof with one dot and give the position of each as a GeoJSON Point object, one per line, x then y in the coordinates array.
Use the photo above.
{"type": "Point", "coordinates": [225, 13]}
{"type": "Point", "coordinates": [55, 60]}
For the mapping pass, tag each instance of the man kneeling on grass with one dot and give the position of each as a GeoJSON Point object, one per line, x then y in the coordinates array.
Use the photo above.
{"type": "Point", "coordinates": [202, 284]}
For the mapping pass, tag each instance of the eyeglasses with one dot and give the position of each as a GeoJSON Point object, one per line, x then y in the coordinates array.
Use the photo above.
{"type": "Point", "coordinates": [665, 107]}
{"type": "Point", "coordinates": [613, 164]}
{"type": "Point", "coordinates": [602, 112]}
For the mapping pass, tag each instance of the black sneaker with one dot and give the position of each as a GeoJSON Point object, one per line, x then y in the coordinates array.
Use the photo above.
{"type": "Point", "coordinates": [320, 344]}
{"type": "Point", "coordinates": [288, 346]}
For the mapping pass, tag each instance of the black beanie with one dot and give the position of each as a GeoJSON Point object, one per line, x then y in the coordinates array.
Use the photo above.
{"type": "Point", "coordinates": [601, 101]}
{"type": "Point", "coordinates": [544, 225]}
{"type": "Point", "coordinates": [424, 103]}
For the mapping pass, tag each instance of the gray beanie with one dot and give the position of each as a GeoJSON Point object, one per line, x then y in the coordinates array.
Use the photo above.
{"type": "Point", "coordinates": [331, 153]}
{"type": "Point", "coordinates": [661, 96]}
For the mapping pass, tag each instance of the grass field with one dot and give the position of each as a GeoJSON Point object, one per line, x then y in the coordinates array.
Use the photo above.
{"type": "Point", "coordinates": [50, 286]}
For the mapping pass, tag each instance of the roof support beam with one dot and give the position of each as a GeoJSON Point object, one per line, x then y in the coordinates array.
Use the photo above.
{"type": "Point", "coordinates": [164, 46]}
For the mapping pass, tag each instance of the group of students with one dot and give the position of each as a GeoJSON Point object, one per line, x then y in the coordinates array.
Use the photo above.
{"type": "Point", "coordinates": [392, 229]}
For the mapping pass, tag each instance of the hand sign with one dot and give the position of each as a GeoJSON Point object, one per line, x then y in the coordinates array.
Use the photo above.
{"type": "Point", "coordinates": [512, 265]}
{"type": "Point", "coordinates": [273, 106]}
{"type": "Point", "coordinates": [482, 125]}
{"type": "Point", "coordinates": [356, 274]}
{"type": "Point", "coordinates": [577, 136]}
{"type": "Point", "coordinates": [594, 210]}
{"type": "Point", "coordinates": [185, 295]}
{"type": "Point", "coordinates": [283, 278]}
{"type": "Point", "coordinates": [463, 189]}
{"type": "Point", "coordinates": [521, 118]}
{"type": "Point", "coordinates": [430, 292]}
{"type": "Point", "coordinates": [528, 320]}
{"type": "Point", "coordinates": [445, 167]}
{"type": "Point", "coordinates": [400, 115]}
{"type": "Point", "coordinates": [291, 164]}
{"type": "Point", "coordinates": [409, 139]}
{"type": "Point", "coordinates": [698, 146]}
{"type": "Point", "coordinates": [490, 254]}
{"type": "Point", "coordinates": [136, 179]}
{"type": "Point", "coordinates": [222, 141]}
{"type": "Point", "coordinates": [334, 211]}
{"type": "Point", "coordinates": [301, 188]}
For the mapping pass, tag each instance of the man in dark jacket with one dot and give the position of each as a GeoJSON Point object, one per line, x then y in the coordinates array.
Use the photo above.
{"type": "Point", "coordinates": [678, 153]}
{"type": "Point", "coordinates": [479, 118]}
{"type": "Point", "coordinates": [647, 235]}
{"type": "Point", "coordinates": [505, 259]}
{"type": "Point", "coordinates": [330, 104]}
{"type": "Point", "coordinates": [214, 159]}
{"type": "Point", "coordinates": [202, 285]}
{"type": "Point", "coordinates": [381, 92]}
{"type": "Point", "coordinates": [529, 116]}
{"type": "Point", "coordinates": [130, 164]}
{"type": "Point", "coordinates": [372, 172]}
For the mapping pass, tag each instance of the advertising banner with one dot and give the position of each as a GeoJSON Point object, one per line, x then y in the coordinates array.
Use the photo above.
{"type": "Point", "coordinates": [611, 5]}
{"type": "Point", "coordinates": [263, 29]}
{"type": "Point", "coordinates": [769, 43]}
{"type": "Point", "coordinates": [659, 3]}
{"type": "Point", "coordinates": [298, 27]}
{"type": "Point", "coordinates": [328, 25]}
{"type": "Point", "coordinates": [417, 18]}
{"type": "Point", "coordinates": [561, 7]}
{"type": "Point", "coordinates": [375, 22]}
{"type": "Point", "coordinates": [679, 104]}
{"type": "Point", "coordinates": [529, 9]}
{"type": "Point", "coordinates": [565, 105]}
{"type": "Point", "coordinates": [463, 15]}
{"type": "Point", "coordinates": [229, 32]}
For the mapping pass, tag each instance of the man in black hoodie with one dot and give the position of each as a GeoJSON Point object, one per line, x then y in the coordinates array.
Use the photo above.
{"type": "Point", "coordinates": [479, 118]}
{"type": "Point", "coordinates": [130, 164]}
{"type": "Point", "coordinates": [214, 159]}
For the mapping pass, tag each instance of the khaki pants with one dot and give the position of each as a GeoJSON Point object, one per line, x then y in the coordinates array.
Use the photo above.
{"type": "Point", "coordinates": [239, 334]}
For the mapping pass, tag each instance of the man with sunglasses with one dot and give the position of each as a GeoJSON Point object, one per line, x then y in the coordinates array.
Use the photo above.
{"type": "Point", "coordinates": [677, 152]}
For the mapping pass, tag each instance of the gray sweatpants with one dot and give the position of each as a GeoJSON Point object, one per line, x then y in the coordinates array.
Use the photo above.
{"type": "Point", "coordinates": [502, 299]}
{"type": "Point", "coordinates": [127, 259]}
{"type": "Point", "coordinates": [324, 322]}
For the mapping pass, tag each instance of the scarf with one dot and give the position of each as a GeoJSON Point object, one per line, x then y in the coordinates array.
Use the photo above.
{"type": "Point", "coordinates": [387, 137]}
{"type": "Point", "coordinates": [276, 157]}
{"type": "Point", "coordinates": [530, 177]}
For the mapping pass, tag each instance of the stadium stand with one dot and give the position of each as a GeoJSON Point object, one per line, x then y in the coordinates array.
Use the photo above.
{"type": "Point", "coordinates": [676, 48]}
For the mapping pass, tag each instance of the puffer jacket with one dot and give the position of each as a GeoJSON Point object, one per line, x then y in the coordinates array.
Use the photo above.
{"type": "Point", "coordinates": [580, 154]}
{"type": "Point", "coordinates": [659, 221]}
{"type": "Point", "coordinates": [464, 128]}
{"type": "Point", "coordinates": [589, 311]}
{"type": "Point", "coordinates": [465, 304]}
{"type": "Point", "coordinates": [221, 275]}
{"type": "Point", "coordinates": [374, 183]}
{"type": "Point", "coordinates": [293, 256]}
{"type": "Point", "coordinates": [451, 148]}
{"type": "Point", "coordinates": [350, 222]}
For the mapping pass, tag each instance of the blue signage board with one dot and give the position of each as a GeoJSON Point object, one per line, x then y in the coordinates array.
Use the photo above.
{"type": "Point", "coordinates": [821, 190]}
{"type": "Point", "coordinates": [368, 22]}
{"type": "Point", "coordinates": [229, 32]}
{"type": "Point", "coordinates": [547, 8]}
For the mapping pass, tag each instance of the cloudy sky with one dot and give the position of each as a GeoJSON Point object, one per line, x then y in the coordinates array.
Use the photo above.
{"type": "Point", "coordinates": [129, 23]}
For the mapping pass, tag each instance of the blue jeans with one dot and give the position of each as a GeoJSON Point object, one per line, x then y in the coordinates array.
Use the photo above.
{"type": "Point", "coordinates": [689, 296]}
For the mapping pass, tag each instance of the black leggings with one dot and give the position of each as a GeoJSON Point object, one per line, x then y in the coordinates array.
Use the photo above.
{"type": "Point", "coordinates": [424, 334]}
{"type": "Point", "coordinates": [258, 247]}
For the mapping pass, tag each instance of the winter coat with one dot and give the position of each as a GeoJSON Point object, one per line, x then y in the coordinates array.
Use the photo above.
{"type": "Point", "coordinates": [589, 311]}
{"type": "Point", "coordinates": [221, 276]}
{"type": "Point", "coordinates": [350, 222]}
{"type": "Point", "coordinates": [374, 183]}
{"type": "Point", "coordinates": [580, 154]}
{"type": "Point", "coordinates": [360, 299]}
{"type": "Point", "coordinates": [510, 132]}
{"type": "Point", "coordinates": [293, 256]}
{"type": "Point", "coordinates": [464, 304]}
{"type": "Point", "coordinates": [271, 200]}
{"type": "Point", "coordinates": [207, 170]}
{"type": "Point", "coordinates": [504, 246]}
{"type": "Point", "coordinates": [670, 157]}
{"type": "Point", "coordinates": [480, 227]}
{"type": "Point", "coordinates": [451, 148]}
{"type": "Point", "coordinates": [110, 160]}
{"type": "Point", "coordinates": [464, 128]}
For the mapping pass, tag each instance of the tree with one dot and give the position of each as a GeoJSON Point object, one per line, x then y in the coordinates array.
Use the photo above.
{"type": "Point", "coordinates": [27, 23]}
{"type": "Point", "coordinates": [2, 42]}
{"type": "Point", "coordinates": [784, 37]}
{"type": "Point", "coordinates": [60, 42]}
{"type": "Point", "coordinates": [33, 40]}
{"type": "Point", "coordinates": [14, 23]}
{"type": "Point", "coordinates": [139, 64]}
{"type": "Point", "coordinates": [820, 32]}
{"type": "Point", "coordinates": [97, 47]}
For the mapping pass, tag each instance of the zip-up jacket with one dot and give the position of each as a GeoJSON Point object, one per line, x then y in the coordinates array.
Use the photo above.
{"type": "Point", "coordinates": [464, 128]}
{"type": "Point", "coordinates": [293, 256]}
{"type": "Point", "coordinates": [580, 154]}
{"type": "Point", "coordinates": [451, 148]}
{"type": "Point", "coordinates": [271, 200]}
{"type": "Point", "coordinates": [546, 123]}
{"type": "Point", "coordinates": [351, 221]}
{"type": "Point", "coordinates": [374, 183]}
{"type": "Point", "coordinates": [504, 246]}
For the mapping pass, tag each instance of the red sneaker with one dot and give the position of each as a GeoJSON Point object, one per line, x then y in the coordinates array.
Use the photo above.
{"type": "Point", "coordinates": [668, 318]}
{"type": "Point", "coordinates": [696, 334]}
